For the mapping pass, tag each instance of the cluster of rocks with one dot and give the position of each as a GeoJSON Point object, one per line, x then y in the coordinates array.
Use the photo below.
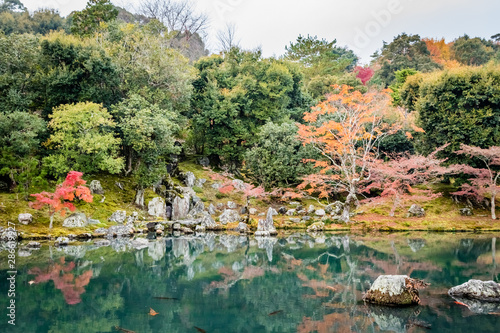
{"type": "Point", "coordinates": [401, 290]}
{"type": "Point", "coordinates": [299, 214]}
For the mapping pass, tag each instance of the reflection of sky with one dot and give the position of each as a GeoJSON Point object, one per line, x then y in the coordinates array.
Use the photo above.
{"type": "Point", "coordinates": [273, 24]}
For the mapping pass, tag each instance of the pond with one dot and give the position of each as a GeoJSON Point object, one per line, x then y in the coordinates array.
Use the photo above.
{"type": "Point", "coordinates": [230, 283]}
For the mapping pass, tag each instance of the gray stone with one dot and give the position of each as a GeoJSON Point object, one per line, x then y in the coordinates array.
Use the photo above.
{"type": "Point", "coordinates": [291, 212]}
{"type": "Point", "coordinates": [302, 212]}
{"type": "Point", "coordinates": [96, 188]}
{"type": "Point", "coordinates": [229, 216]}
{"type": "Point", "coordinates": [311, 209]}
{"type": "Point", "coordinates": [186, 230]}
{"type": "Point", "coordinates": [294, 203]}
{"type": "Point", "coordinates": [272, 211]}
{"type": "Point", "coordinates": [220, 207]}
{"type": "Point", "coordinates": [139, 243]}
{"type": "Point", "coordinates": [253, 211]}
{"type": "Point", "coordinates": [317, 226]}
{"type": "Point", "coordinates": [101, 231]}
{"type": "Point", "coordinates": [33, 245]}
{"type": "Point", "coordinates": [177, 226]}
{"type": "Point", "coordinates": [466, 212]}
{"type": "Point", "coordinates": [211, 209]}
{"type": "Point", "coordinates": [476, 289]}
{"type": "Point", "coordinates": [102, 242]}
{"type": "Point", "coordinates": [119, 216]}
{"type": "Point", "coordinates": [198, 208]}
{"type": "Point", "coordinates": [243, 210]}
{"type": "Point", "coordinates": [282, 210]}
{"type": "Point", "coordinates": [320, 212]}
{"type": "Point", "coordinates": [200, 182]}
{"type": "Point", "coordinates": [394, 290]}
{"type": "Point", "coordinates": [132, 218]}
{"type": "Point", "coordinates": [266, 227]}
{"type": "Point", "coordinates": [204, 161]}
{"type": "Point", "coordinates": [120, 231]}
{"type": "Point", "coordinates": [25, 218]}
{"type": "Point", "coordinates": [295, 220]}
{"type": "Point", "coordinates": [195, 199]}
{"type": "Point", "coordinates": [189, 179]}
{"type": "Point", "coordinates": [85, 235]}
{"type": "Point", "coordinates": [216, 186]}
{"type": "Point", "coordinates": [242, 227]}
{"type": "Point", "coordinates": [416, 210]}
{"type": "Point", "coordinates": [180, 207]}
{"type": "Point", "coordinates": [159, 226]}
{"type": "Point", "coordinates": [9, 234]}
{"type": "Point", "coordinates": [119, 185]}
{"type": "Point", "coordinates": [23, 253]}
{"type": "Point", "coordinates": [231, 205]}
{"type": "Point", "coordinates": [208, 222]}
{"type": "Point", "coordinates": [157, 208]}
{"type": "Point", "coordinates": [77, 220]}
{"type": "Point", "coordinates": [306, 218]}
{"type": "Point", "coordinates": [93, 221]}
{"type": "Point", "coordinates": [200, 228]}
{"type": "Point", "coordinates": [61, 241]}
{"type": "Point", "coordinates": [239, 184]}
{"type": "Point", "coordinates": [335, 209]}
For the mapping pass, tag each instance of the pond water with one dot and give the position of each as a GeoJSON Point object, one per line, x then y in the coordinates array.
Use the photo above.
{"type": "Point", "coordinates": [231, 283]}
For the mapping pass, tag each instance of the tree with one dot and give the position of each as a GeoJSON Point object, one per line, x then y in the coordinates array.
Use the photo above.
{"type": "Point", "coordinates": [397, 177]}
{"type": "Point", "coordinates": [227, 38]}
{"type": "Point", "coordinates": [20, 136]}
{"type": "Point", "coordinates": [12, 6]}
{"type": "Point", "coordinates": [405, 51]}
{"type": "Point", "coordinates": [364, 74]}
{"type": "Point", "coordinates": [148, 140]}
{"type": "Point", "coordinates": [276, 158]}
{"type": "Point", "coordinates": [441, 52]}
{"type": "Point", "coordinates": [457, 106]}
{"type": "Point", "coordinates": [82, 139]}
{"type": "Point", "coordinates": [472, 51]}
{"type": "Point", "coordinates": [234, 95]}
{"type": "Point", "coordinates": [486, 181]}
{"type": "Point", "coordinates": [61, 200]}
{"type": "Point", "coordinates": [87, 21]}
{"type": "Point", "coordinates": [345, 129]}
{"type": "Point", "coordinates": [178, 16]}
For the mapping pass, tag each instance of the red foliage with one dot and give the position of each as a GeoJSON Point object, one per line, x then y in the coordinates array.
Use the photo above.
{"type": "Point", "coordinates": [485, 181]}
{"type": "Point", "coordinates": [70, 286]}
{"type": "Point", "coordinates": [364, 73]}
{"type": "Point", "coordinates": [72, 188]}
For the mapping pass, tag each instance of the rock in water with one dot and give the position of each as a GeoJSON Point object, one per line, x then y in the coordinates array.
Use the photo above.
{"type": "Point", "coordinates": [394, 290]}
{"type": "Point", "coordinates": [416, 210]}
{"type": "Point", "coordinates": [25, 218]}
{"type": "Point", "coordinates": [77, 220]}
{"type": "Point", "coordinates": [157, 208]}
{"type": "Point", "coordinates": [96, 187]}
{"type": "Point", "coordinates": [476, 289]}
{"type": "Point", "coordinates": [119, 216]}
{"type": "Point", "coordinates": [266, 227]}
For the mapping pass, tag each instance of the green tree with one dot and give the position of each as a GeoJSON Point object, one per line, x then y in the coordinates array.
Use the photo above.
{"type": "Point", "coordinates": [87, 21]}
{"type": "Point", "coordinates": [472, 51]}
{"type": "Point", "coordinates": [148, 139]}
{"type": "Point", "coordinates": [276, 158]}
{"type": "Point", "coordinates": [82, 139]}
{"type": "Point", "coordinates": [405, 51]}
{"type": "Point", "coordinates": [323, 64]}
{"type": "Point", "coordinates": [20, 137]}
{"type": "Point", "coordinates": [234, 95]}
{"type": "Point", "coordinates": [400, 79]}
{"type": "Point", "coordinates": [457, 106]}
{"type": "Point", "coordinates": [45, 20]}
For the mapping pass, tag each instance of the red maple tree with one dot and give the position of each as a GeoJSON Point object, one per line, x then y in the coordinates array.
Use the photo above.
{"type": "Point", "coordinates": [397, 177]}
{"type": "Point", "coordinates": [61, 200]}
{"type": "Point", "coordinates": [486, 181]}
{"type": "Point", "coordinates": [364, 74]}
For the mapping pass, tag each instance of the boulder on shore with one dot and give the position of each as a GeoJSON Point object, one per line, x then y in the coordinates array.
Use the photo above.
{"type": "Point", "coordinates": [488, 291]}
{"type": "Point", "coordinates": [77, 220]}
{"type": "Point", "coordinates": [416, 211]}
{"type": "Point", "coordinates": [266, 227]}
{"type": "Point", "coordinates": [25, 218]}
{"type": "Point", "coordinates": [394, 290]}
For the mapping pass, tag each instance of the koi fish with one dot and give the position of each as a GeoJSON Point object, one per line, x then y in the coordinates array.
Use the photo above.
{"type": "Point", "coordinates": [460, 303]}
{"type": "Point", "coordinates": [152, 312]}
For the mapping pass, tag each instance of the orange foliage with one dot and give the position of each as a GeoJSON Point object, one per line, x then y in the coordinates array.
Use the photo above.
{"type": "Point", "coordinates": [441, 52]}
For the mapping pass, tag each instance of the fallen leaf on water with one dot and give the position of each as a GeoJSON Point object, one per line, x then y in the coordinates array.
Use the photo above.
{"type": "Point", "coordinates": [460, 303]}
{"type": "Point", "coordinates": [200, 330]}
{"type": "Point", "coordinates": [152, 312]}
{"type": "Point", "coordinates": [275, 312]}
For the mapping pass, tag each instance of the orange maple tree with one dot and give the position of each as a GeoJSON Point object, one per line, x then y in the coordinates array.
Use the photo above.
{"type": "Point", "coordinates": [345, 129]}
{"type": "Point", "coordinates": [61, 200]}
{"type": "Point", "coordinates": [441, 52]}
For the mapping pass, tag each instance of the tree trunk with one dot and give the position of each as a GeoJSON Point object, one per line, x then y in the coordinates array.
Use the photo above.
{"type": "Point", "coordinates": [139, 197]}
{"type": "Point", "coordinates": [350, 202]}
{"type": "Point", "coordinates": [493, 214]}
{"type": "Point", "coordinates": [51, 220]}
{"type": "Point", "coordinates": [395, 205]}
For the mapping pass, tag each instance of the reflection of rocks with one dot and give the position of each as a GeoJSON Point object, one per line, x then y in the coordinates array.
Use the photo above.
{"type": "Point", "coordinates": [394, 290]}
{"type": "Point", "coordinates": [267, 243]}
{"type": "Point", "coordinates": [395, 319]}
{"type": "Point", "coordinates": [416, 244]}
{"type": "Point", "coordinates": [76, 251]}
{"type": "Point", "coordinates": [480, 307]}
{"type": "Point", "coordinates": [139, 243]}
{"type": "Point", "coordinates": [156, 250]}
{"type": "Point", "coordinates": [479, 290]}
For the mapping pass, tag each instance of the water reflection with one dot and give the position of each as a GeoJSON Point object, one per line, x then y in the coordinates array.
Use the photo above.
{"type": "Point", "coordinates": [232, 283]}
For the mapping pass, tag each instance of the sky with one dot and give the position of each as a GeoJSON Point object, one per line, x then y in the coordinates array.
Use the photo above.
{"type": "Point", "coordinates": [361, 25]}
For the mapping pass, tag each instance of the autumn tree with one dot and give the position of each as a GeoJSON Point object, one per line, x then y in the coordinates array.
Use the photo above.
{"type": "Point", "coordinates": [345, 129]}
{"type": "Point", "coordinates": [487, 180]}
{"type": "Point", "coordinates": [398, 176]}
{"type": "Point", "coordinates": [364, 74]}
{"type": "Point", "coordinates": [62, 199]}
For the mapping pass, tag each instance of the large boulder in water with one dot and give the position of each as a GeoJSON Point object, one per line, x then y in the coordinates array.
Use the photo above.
{"type": "Point", "coordinates": [476, 289]}
{"type": "Point", "coordinates": [266, 227]}
{"type": "Point", "coordinates": [394, 290]}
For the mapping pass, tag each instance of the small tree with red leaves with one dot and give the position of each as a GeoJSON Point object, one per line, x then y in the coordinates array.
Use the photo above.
{"type": "Point", "coordinates": [61, 200]}
{"type": "Point", "coordinates": [364, 74]}
{"type": "Point", "coordinates": [397, 177]}
{"type": "Point", "coordinates": [486, 181]}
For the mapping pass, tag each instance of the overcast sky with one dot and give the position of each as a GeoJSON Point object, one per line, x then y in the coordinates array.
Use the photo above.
{"type": "Point", "coordinates": [362, 25]}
